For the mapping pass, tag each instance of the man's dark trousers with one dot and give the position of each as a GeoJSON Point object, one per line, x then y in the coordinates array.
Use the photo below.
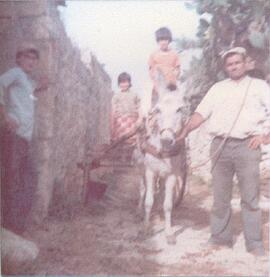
{"type": "Point", "coordinates": [18, 181]}
{"type": "Point", "coordinates": [236, 158]}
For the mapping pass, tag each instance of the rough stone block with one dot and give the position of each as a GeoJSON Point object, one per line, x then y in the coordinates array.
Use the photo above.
{"type": "Point", "coordinates": [16, 249]}
{"type": "Point", "coordinates": [6, 9]}
{"type": "Point", "coordinates": [23, 8]}
{"type": "Point", "coordinates": [5, 24]}
{"type": "Point", "coordinates": [43, 27]}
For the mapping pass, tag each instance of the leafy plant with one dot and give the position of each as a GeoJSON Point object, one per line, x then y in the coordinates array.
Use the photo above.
{"type": "Point", "coordinates": [232, 23]}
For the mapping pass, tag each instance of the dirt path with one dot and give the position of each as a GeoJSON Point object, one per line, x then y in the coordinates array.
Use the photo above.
{"type": "Point", "coordinates": [102, 239]}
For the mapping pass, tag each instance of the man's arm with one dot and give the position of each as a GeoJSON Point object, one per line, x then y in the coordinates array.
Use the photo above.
{"type": "Point", "coordinates": [41, 85]}
{"type": "Point", "coordinates": [193, 123]}
{"type": "Point", "coordinates": [256, 141]}
{"type": "Point", "coordinates": [203, 112]}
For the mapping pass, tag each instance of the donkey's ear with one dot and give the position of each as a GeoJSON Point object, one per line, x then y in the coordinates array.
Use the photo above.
{"type": "Point", "coordinates": [161, 79]}
{"type": "Point", "coordinates": [155, 109]}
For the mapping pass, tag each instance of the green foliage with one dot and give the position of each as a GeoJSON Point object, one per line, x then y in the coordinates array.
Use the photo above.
{"type": "Point", "coordinates": [257, 39]}
{"type": "Point", "coordinates": [233, 23]}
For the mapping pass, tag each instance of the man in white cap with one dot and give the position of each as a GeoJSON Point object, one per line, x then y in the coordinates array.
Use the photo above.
{"type": "Point", "coordinates": [235, 109]}
{"type": "Point", "coordinates": [17, 95]}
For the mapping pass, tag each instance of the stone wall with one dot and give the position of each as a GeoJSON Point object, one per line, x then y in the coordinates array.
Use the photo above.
{"type": "Point", "coordinates": [72, 116]}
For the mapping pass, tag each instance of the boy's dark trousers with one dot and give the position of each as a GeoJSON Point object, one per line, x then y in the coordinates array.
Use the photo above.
{"type": "Point", "coordinates": [18, 181]}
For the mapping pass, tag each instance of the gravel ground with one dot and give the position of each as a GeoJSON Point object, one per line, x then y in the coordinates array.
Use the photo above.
{"type": "Point", "coordinates": [102, 238]}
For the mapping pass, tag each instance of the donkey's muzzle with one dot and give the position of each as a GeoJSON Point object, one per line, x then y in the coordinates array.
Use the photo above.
{"type": "Point", "coordinates": [167, 142]}
{"type": "Point", "coordinates": [167, 137]}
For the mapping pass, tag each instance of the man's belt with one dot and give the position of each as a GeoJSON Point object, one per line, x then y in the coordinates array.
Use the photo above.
{"type": "Point", "coordinates": [233, 139]}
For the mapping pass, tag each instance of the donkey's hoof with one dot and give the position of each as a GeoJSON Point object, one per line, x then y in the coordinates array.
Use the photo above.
{"type": "Point", "coordinates": [171, 239]}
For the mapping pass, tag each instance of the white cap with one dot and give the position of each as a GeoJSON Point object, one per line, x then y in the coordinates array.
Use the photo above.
{"type": "Point", "coordinates": [235, 50]}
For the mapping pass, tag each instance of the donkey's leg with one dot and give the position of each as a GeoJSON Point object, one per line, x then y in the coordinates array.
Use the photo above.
{"type": "Point", "coordinates": [179, 191]}
{"type": "Point", "coordinates": [142, 193]}
{"type": "Point", "coordinates": [167, 207]}
{"type": "Point", "coordinates": [149, 197]}
{"type": "Point", "coordinates": [140, 208]}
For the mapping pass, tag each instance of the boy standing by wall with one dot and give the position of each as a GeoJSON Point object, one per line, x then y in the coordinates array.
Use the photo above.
{"type": "Point", "coordinates": [18, 182]}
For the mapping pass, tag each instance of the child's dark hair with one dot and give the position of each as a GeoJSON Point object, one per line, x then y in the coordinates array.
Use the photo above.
{"type": "Point", "coordinates": [163, 33]}
{"type": "Point", "coordinates": [171, 87]}
{"type": "Point", "coordinates": [124, 77]}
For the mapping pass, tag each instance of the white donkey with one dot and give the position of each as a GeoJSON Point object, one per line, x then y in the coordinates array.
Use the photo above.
{"type": "Point", "coordinates": [162, 124]}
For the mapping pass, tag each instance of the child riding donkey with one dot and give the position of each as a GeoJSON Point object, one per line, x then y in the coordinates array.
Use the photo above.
{"type": "Point", "coordinates": [164, 61]}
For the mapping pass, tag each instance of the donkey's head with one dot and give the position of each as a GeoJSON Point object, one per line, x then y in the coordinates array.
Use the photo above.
{"type": "Point", "coordinates": [169, 113]}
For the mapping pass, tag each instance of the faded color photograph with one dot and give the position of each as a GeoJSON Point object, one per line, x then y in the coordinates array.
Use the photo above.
{"type": "Point", "coordinates": [135, 137]}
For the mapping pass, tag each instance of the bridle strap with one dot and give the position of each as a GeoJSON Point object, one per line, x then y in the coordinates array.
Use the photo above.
{"type": "Point", "coordinates": [168, 129]}
{"type": "Point", "coordinates": [164, 154]}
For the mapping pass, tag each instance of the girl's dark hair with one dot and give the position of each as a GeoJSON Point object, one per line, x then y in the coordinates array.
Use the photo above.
{"type": "Point", "coordinates": [163, 33]}
{"type": "Point", "coordinates": [123, 77]}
